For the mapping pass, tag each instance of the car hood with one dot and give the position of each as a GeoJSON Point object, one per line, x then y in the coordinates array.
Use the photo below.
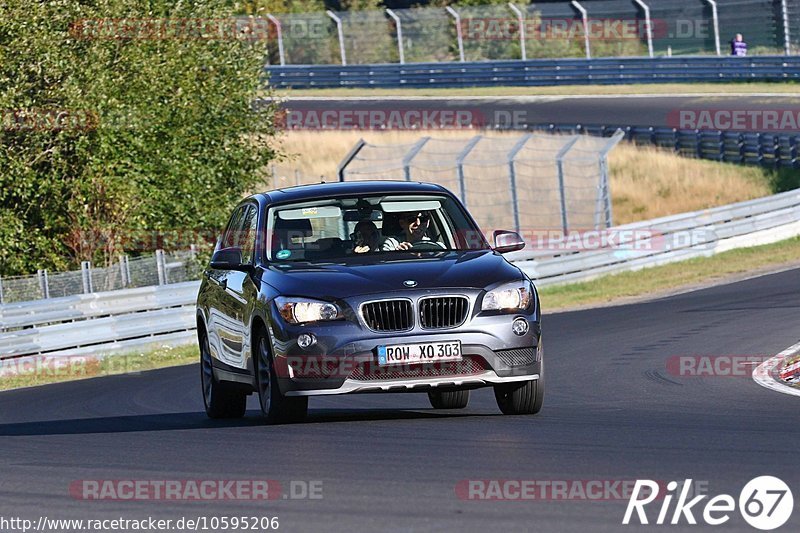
{"type": "Point", "coordinates": [373, 274]}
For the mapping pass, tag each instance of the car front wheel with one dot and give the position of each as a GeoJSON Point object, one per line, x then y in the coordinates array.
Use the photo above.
{"type": "Point", "coordinates": [521, 397]}
{"type": "Point", "coordinates": [275, 406]}
{"type": "Point", "coordinates": [221, 400]}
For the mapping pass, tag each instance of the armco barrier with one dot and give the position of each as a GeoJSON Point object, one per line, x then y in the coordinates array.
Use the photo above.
{"type": "Point", "coordinates": [125, 320]}
{"type": "Point", "coordinates": [538, 72]}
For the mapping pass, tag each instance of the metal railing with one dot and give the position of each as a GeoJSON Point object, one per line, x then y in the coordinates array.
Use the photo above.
{"type": "Point", "coordinates": [538, 72]}
{"type": "Point", "coordinates": [161, 268]}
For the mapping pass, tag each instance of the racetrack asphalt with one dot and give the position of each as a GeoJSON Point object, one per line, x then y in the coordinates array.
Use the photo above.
{"type": "Point", "coordinates": [614, 411]}
{"type": "Point", "coordinates": [521, 112]}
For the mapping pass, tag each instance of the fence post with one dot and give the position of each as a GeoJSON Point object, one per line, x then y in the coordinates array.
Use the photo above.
{"type": "Point", "coordinates": [123, 274]}
{"type": "Point", "coordinates": [561, 191]}
{"type": "Point", "coordinates": [160, 267]}
{"type": "Point", "coordinates": [399, 26]}
{"type": "Point", "coordinates": [585, 17]}
{"type": "Point", "coordinates": [521, 21]}
{"type": "Point", "coordinates": [512, 175]}
{"type": "Point", "coordinates": [787, 41]}
{"type": "Point", "coordinates": [648, 25]}
{"type": "Point", "coordinates": [44, 282]}
{"type": "Point", "coordinates": [86, 276]}
{"type": "Point", "coordinates": [462, 184]}
{"type": "Point", "coordinates": [715, 18]}
{"type": "Point", "coordinates": [349, 158]}
{"type": "Point", "coordinates": [459, 33]}
{"type": "Point", "coordinates": [412, 152]}
{"type": "Point", "coordinates": [2, 298]}
{"type": "Point", "coordinates": [279, 31]}
{"type": "Point", "coordinates": [339, 30]}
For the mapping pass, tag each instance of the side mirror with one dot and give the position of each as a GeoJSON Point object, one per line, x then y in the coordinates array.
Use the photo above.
{"type": "Point", "coordinates": [507, 241]}
{"type": "Point", "coordinates": [229, 259]}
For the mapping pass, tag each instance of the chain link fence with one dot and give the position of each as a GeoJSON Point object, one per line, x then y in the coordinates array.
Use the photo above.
{"type": "Point", "coordinates": [556, 29]}
{"type": "Point", "coordinates": [161, 268]}
{"type": "Point", "coordinates": [531, 182]}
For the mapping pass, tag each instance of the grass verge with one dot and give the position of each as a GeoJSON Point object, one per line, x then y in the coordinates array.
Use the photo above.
{"type": "Point", "coordinates": [666, 279]}
{"type": "Point", "coordinates": [42, 370]}
{"type": "Point", "coordinates": [672, 89]}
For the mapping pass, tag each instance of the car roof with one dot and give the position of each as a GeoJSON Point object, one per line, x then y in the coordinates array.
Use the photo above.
{"type": "Point", "coordinates": [347, 188]}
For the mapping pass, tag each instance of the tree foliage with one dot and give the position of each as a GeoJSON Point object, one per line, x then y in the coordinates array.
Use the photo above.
{"type": "Point", "coordinates": [113, 127]}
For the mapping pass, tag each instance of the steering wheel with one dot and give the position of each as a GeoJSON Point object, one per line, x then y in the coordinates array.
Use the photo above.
{"type": "Point", "coordinates": [426, 246]}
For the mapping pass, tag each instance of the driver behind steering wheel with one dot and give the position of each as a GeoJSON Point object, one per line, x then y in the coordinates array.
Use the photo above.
{"type": "Point", "coordinates": [415, 227]}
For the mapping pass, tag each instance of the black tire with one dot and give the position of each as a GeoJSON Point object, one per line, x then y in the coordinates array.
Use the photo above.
{"type": "Point", "coordinates": [277, 408]}
{"type": "Point", "coordinates": [522, 397]}
{"type": "Point", "coordinates": [221, 400]}
{"type": "Point", "coordinates": [456, 399]}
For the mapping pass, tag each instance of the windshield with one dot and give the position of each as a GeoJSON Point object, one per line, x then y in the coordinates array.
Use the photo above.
{"type": "Point", "coordinates": [335, 228]}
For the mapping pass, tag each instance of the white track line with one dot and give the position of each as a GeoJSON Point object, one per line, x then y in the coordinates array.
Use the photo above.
{"type": "Point", "coordinates": [763, 373]}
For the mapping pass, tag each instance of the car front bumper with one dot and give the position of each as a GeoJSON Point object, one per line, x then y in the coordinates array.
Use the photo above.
{"type": "Point", "coordinates": [344, 357]}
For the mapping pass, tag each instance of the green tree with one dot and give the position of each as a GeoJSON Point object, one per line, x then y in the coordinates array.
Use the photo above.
{"type": "Point", "coordinates": [120, 117]}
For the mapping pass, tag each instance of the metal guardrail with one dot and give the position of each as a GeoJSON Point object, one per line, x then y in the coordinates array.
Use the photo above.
{"type": "Point", "coordinates": [101, 322]}
{"type": "Point", "coordinates": [756, 148]}
{"type": "Point", "coordinates": [124, 320]}
{"type": "Point", "coordinates": [538, 72]}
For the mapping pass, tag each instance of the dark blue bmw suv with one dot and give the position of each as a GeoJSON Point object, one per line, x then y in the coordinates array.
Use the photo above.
{"type": "Point", "coordinates": [350, 287]}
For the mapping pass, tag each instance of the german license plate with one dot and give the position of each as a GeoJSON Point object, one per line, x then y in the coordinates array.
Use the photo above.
{"type": "Point", "coordinates": [424, 352]}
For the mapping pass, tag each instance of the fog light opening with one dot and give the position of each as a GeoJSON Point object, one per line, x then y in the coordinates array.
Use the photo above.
{"type": "Point", "coordinates": [519, 327]}
{"type": "Point", "coordinates": [306, 339]}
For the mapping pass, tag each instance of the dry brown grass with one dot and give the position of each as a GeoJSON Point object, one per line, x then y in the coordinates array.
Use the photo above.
{"type": "Point", "coordinates": [645, 182]}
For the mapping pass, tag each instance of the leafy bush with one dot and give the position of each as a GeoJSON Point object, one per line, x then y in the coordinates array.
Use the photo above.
{"type": "Point", "coordinates": [115, 129]}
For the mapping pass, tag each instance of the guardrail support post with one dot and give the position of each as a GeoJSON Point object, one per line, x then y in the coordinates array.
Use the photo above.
{"type": "Point", "coordinates": [561, 189]}
{"type": "Point", "coordinates": [2, 298]}
{"type": "Point", "coordinates": [161, 268]}
{"type": "Point", "coordinates": [648, 25]}
{"type": "Point", "coordinates": [411, 154]}
{"type": "Point", "coordinates": [399, 26]}
{"type": "Point", "coordinates": [340, 31]}
{"type": "Point", "coordinates": [86, 276]}
{"type": "Point", "coordinates": [585, 17]}
{"type": "Point", "coordinates": [521, 21]}
{"type": "Point", "coordinates": [279, 31]}
{"type": "Point", "coordinates": [459, 33]}
{"type": "Point", "coordinates": [715, 18]}
{"type": "Point", "coordinates": [123, 274]}
{"type": "Point", "coordinates": [44, 282]}
{"type": "Point", "coordinates": [512, 175]}
{"type": "Point", "coordinates": [462, 183]}
{"type": "Point", "coordinates": [787, 41]}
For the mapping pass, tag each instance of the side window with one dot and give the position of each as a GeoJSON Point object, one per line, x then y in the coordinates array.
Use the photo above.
{"type": "Point", "coordinates": [247, 237]}
{"type": "Point", "coordinates": [230, 237]}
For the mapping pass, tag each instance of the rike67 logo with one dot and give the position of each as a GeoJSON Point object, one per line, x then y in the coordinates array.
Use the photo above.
{"type": "Point", "coordinates": [765, 503]}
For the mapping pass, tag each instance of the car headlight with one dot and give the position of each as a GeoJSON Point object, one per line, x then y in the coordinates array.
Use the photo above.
{"type": "Point", "coordinates": [516, 295]}
{"type": "Point", "coordinates": [300, 310]}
